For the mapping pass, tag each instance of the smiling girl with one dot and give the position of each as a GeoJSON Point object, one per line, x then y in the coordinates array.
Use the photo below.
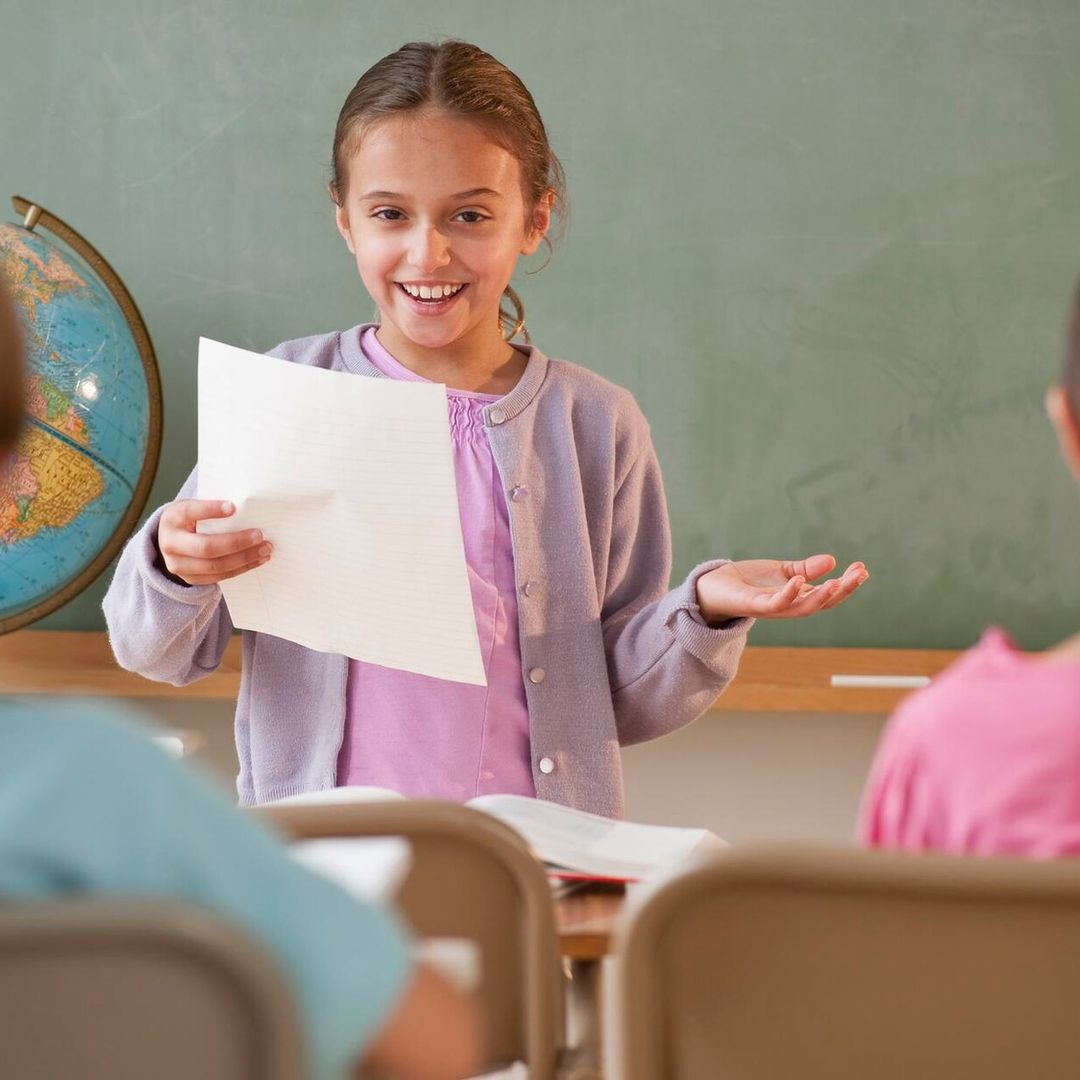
{"type": "Point", "coordinates": [443, 178]}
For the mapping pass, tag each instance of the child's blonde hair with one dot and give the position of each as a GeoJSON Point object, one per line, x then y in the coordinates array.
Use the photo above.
{"type": "Point", "coordinates": [464, 81]}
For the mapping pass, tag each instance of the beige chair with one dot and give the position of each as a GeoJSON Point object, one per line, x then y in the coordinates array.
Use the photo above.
{"type": "Point", "coordinates": [783, 962]}
{"type": "Point", "coordinates": [470, 877]}
{"type": "Point", "coordinates": [126, 990]}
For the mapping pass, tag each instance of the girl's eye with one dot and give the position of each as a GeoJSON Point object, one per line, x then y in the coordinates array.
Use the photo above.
{"type": "Point", "coordinates": [388, 214]}
{"type": "Point", "coordinates": [472, 217]}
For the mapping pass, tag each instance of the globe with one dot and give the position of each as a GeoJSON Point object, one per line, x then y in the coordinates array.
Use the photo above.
{"type": "Point", "coordinates": [83, 466]}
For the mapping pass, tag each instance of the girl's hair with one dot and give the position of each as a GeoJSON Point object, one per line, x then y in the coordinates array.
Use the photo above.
{"type": "Point", "coordinates": [1070, 376]}
{"type": "Point", "coordinates": [464, 81]}
{"type": "Point", "coordinates": [11, 377]}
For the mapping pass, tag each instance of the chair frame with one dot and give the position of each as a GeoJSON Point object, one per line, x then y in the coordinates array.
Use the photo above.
{"type": "Point", "coordinates": [639, 1042]}
{"type": "Point", "coordinates": [165, 936]}
{"type": "Point", "coordinates": [437, 820]}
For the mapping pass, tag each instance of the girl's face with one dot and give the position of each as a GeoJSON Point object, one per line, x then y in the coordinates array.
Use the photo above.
{"type": "Point", "coordinates": [435, 215]}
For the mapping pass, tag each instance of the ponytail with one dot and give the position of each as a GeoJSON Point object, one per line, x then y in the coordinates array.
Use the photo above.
{"type": "Point", "coordinates": [512, 323]}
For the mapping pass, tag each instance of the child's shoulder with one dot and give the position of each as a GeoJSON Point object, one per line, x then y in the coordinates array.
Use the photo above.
{"type": "Point", "coordinates": [986, 684]}
{"type": "Point", "coordinates": [593, 395]}
{"type": "Point", "coordinates": [316, 350]}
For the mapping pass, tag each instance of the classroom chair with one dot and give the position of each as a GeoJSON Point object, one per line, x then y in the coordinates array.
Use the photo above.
{"type": "Point", "coordinates": [470, 877]}
{"type": "Point", "coordinates": [125, 990]}
{"type": "Point", "coordinates": [782, 961]}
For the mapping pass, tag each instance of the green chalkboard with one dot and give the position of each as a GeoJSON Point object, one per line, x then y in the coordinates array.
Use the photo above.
{"type": "Point", "coordinates": [828, 246]}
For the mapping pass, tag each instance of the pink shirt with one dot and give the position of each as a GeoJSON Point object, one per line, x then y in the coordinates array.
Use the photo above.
{"type": "Point", "coordinates": [429, 737]}
{"type": "Point", "coordinates": [985, 761]}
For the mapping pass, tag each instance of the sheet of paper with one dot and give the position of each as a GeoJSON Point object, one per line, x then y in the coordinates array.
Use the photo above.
{"type": "Point", "coordinates": [372, 868]}
{"type": "Point", "coordinates": [352, 480]}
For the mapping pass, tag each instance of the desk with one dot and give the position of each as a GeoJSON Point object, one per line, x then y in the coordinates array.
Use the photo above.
{"type": "Point", "coordinates": [586, 921]}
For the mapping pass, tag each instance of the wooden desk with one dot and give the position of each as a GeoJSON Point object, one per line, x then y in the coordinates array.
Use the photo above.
{"type": "Point", "coordinates": [772, 679]}
{"type": "Point", "coordinates": [586, 922]}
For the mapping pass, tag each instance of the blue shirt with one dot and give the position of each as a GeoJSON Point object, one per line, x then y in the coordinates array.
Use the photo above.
{"type": "Point", "coordinates": [89, 806]}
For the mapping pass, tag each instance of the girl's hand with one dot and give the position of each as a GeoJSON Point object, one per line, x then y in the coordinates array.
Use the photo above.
{"type": "Point", "coordinates": [768, 589]}
{"type": "Point", "coordinates": [199, 559]}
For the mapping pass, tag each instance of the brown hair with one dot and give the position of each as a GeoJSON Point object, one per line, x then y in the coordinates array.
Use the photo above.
{"type": "Point", "coordinates": [1070, 376]}
{"type": "Point", "coordinates": [465, 81]}
{"type": "Point", "coordinates": [11, 377]}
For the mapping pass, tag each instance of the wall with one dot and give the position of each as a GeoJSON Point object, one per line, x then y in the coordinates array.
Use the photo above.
{"type": "Point", "coordinates": [827, 246]}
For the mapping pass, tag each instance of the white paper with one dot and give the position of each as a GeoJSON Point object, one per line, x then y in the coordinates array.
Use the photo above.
{"type": "Point", "coordinates": [576, 840]}
{"type": "Point", "coordinates": [371, 868]}
{"type": "Point", "coordinates": [352, 480]}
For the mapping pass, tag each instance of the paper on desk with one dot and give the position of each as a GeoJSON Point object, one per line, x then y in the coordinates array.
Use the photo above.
{"type": "Point", "coordinates": [371, 868]}
{"type": "Point", "coordinates": [352, 480]}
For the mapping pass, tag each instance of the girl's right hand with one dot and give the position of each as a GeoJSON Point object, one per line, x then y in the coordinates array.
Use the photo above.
{"type": "Point", "coordinates": [205, 558]}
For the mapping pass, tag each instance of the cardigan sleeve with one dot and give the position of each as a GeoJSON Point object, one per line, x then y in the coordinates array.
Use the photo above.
{"type": "Point", "coordinates": [158, 627]}
{"type": "Point", "coordinates": [666, 665]}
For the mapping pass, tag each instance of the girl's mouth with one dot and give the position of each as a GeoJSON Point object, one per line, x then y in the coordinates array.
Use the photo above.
{"type": "Point", "coordinates": [430, 305]}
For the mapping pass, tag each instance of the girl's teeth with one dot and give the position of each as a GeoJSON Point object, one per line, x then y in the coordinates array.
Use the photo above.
{"type": "Point", "coordinates": [431, 292]}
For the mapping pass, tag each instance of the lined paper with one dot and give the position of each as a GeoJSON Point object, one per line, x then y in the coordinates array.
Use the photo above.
{"type": "Point", "coordinates": [352, 480]}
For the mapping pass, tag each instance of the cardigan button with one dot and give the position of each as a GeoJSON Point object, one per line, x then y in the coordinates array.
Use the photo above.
{"type": "Point", "coordinates": [496, 415]}
{"type": "Point", "coordinates": [517, 493]}
{"type": "Point", "coordinates": [537, 675]}
{"type": "Point", "coordinates": [547, 766]}
{"type": "Point", "coordinates": [530, 588]}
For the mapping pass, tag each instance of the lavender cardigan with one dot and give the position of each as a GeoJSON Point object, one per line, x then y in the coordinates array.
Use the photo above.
{"type": "Point", "coordinates": [609, 657]}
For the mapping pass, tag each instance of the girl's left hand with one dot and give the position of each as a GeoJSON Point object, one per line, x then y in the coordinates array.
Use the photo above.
{"type": "Point", "coordinates": [769, 589]}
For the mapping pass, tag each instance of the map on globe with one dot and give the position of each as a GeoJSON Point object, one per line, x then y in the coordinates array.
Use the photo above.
{"type": "Point", "coordinates": [79, 476]}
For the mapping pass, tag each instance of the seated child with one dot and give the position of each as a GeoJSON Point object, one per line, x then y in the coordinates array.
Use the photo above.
{"type": "Point", "coordinates": [986, 760]}
{"type": "Point", "coordinates": [89, 807]}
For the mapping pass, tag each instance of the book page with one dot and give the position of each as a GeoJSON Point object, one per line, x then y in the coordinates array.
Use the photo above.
{"type": "Point", "coordinates": [590, 843]}
{"type": "Point", "coordinates": [352, 480]}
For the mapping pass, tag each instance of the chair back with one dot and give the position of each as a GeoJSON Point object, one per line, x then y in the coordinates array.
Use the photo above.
{"type": "Point", "coordinates": [470, 877]}
{"type": "Point", "coordinates": [776, 962]}
{"type": "Point", "coordinates": [124, 990]}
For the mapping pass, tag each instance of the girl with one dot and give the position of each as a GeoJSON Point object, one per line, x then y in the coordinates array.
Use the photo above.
{"type": "Point", "coordinates": [443, 176]}
{"type": "Point", "coordinates": [987, 759]}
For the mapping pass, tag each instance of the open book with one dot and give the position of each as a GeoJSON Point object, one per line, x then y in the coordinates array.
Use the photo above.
{"type": "Point", "coordinates": [572, 842]}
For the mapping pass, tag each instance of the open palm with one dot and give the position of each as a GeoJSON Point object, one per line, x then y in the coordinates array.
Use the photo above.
{"type": "Point", "coordinates": [774, 589]}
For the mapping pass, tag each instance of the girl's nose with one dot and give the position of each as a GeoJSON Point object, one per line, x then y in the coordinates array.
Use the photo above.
{"type": "Point", "coordinates": [430, 250]}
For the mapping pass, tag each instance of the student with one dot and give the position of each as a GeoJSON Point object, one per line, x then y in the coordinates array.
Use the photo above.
{"type": "Point", "coordinates": [986, 760]}
{"type": "Point", "coordinates": [91, 807]}
{"type": "Point", "coordinates": [443, 176]}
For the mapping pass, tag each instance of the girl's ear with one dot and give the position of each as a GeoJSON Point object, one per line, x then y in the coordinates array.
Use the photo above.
{"type": "Point", "coordinates": [541, 222]}
{"type": "Point", "coordinates": [341, 219]}
{"type": "Point", "coordinates": [1065, 424]}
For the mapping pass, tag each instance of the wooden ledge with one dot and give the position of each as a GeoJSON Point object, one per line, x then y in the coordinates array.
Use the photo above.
{"type": "Point", "coordinates": [773, 679]}
{"type": "Point", "coordinates": [784, 679]}
{"type": "Point", "coordinates": [81, 662]}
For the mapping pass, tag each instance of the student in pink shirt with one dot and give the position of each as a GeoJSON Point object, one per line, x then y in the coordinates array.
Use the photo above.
{"type": "Point", "coordinates": [986, 761]}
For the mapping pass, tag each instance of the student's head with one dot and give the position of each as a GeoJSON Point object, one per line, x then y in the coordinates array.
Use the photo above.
{"type": "Point", "coordinates": [443, 175]}
{"type": "Point", "coordinates": [1063, 400]}
{"type": "Point", "coordinates": [11, 378]}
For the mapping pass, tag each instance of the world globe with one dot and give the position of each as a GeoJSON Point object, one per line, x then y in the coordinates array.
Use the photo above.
{"type": "Point", "coordinates": [83, 466]}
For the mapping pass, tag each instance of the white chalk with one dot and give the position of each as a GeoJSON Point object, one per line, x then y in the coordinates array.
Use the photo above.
{"type": "Point", "coordinates": [881, 682]}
